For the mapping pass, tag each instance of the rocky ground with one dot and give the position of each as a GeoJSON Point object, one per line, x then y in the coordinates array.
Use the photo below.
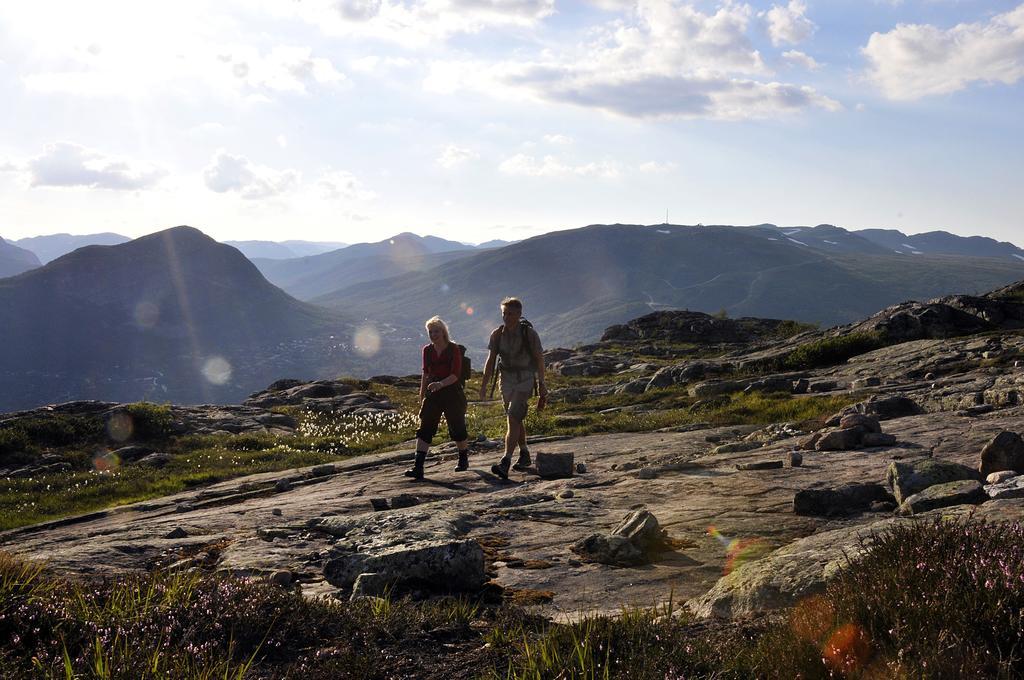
{"type": "Point", "coordinates": [745, 519]}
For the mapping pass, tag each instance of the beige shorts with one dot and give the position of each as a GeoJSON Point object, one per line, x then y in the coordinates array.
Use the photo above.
{"type": "Point", "coordinates": [516, 393]}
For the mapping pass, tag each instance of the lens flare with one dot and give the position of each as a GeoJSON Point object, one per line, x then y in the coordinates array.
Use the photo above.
{"type": "Point", "coordinates": [120, 427]}
{"type": "Point", "coordinates": [469, 311]}
{"type": "Point", "coordinates": [146, 314]}
{"type": "Point", "coordinates": [105, 461]}
{"type": "Point", "coordinates": [739, 551]}
{"type": "Point", "coordinates": [445, 288]}
{"type": "Point", "coordinates": [217, 370]}
{"type": "Point", "coordinates": [847, 649]}
{"type": "Point", "coordinates": [366, 341]}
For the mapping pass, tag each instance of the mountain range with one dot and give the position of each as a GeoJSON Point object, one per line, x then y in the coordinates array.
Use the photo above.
{"type": "Point", "coordinates": [309, 277]}
{"type": "Point", "coordinates": [178, 316]}
{"type": "Point", "coordinates": [282, 250]}
{"type": "Point", "coordinates": [577, 282]}
{"type": "Point", "coordinates": [15, 260]}
{"type": "Point", "coordinates": [52, 246]}
{"type": "Point", "coordinates": [170, 316]}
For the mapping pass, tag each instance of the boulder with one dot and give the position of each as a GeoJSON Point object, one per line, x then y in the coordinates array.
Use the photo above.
{"type": "Point", "coordinates": [1012, 487]}
{"type": "Point", "coordinates": [796, 459]}
{"type": "Point", "coordinates": [782, 578]}
{"type": "Point", "coordinates": [641, 528]}
{"type": "Point", "coordinates": [842, 439]}
{"type": "Point", "coordinates": [840, 501]}
{"type": "Point", "coordinates": [823, 386]}
{"type": "Point", "coordinates": [909, 478]}
{"type": "Point", "coordinates": [861, 383]}
{"type": "Point", "coordinates": [554, 465]}
{"type": "Point", "coordinates": [130, 454]}
{"type": "Point", "coordinates": [629, 544]}
{"type": "Point", "coordinates": [154, 460]}
{"type": "Point", "coordinates": [714, 388]}
{"type": "Point", "coordinates": [1004, 452]}
{"type": "Point", "coordinates": [887, 408]}
{"type": "Point", "coordinates": [322, 470]}
{"type": "Point", "coordinates": [637, 386]}
{"type": "Point", "coordinates": [962, 492]}
{"type": "Point", "coordinates": [868, 423]}
{"type": "Point", "coordinates": [447, 565]}
{"type": "Point", "coordinates": [609, 549]}
{"type": "Point", "coordinates": [771, 384]}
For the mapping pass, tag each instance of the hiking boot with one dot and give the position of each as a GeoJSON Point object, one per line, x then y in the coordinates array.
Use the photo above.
{"type": "Point", "coordinates": [416, 471]}
{"type": "Point", "coordinates": [501, 469]}
{"type": "Point", "coordinates": [463, 461]}
{"type": "Point", "coordinates": [523, 462]}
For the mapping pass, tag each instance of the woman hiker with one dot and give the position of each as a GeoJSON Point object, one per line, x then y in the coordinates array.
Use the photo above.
{"type": "Point", "coordinates": [440, 393]}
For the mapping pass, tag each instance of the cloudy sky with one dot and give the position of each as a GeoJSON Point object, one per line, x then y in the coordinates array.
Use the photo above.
{"type": "Point", "coordinates": [352, 120]}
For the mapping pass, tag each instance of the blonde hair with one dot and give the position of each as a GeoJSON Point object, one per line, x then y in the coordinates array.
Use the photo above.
{"type": "Point", "coordinates": [437, 322]}
{"type": "Point", "coordinates": [513, 302]}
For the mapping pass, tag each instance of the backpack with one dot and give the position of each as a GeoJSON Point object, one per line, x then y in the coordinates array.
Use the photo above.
{"type": "Point", "coordinates": [524, 346]}
{"type": "Point", "coordinates": [467, 367]}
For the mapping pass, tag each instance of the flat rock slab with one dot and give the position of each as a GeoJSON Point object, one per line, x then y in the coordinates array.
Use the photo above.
{"type": "Point", "coordinates": [1012, 487]}
{"type": "Point", "coordinates": [235, 525]}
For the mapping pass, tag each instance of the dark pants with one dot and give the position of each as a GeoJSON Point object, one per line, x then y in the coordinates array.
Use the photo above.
{"type": "Point", "coordinates": [450, 401]}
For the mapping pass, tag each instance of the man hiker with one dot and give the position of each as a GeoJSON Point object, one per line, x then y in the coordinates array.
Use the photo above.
{"type": "Point", "coordinates": [515, 347]}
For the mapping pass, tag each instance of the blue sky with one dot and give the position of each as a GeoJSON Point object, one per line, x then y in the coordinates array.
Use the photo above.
{"type": "Point", "coordinates": [351, 120]}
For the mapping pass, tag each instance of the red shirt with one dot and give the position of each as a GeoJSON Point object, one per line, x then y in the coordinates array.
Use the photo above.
{"type": "Point", "coordinates": [439, 368]}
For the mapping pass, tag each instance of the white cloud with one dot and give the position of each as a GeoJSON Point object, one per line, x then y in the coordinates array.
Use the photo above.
{"type": "Point", "coordinates": [788, 25]}
{"type": "Point", "coordinates": [227, 173]}
{"type": "Point", "coordinates": [916, 60]}
{"type": "Point", "coordinates": [376, 64]}
{"type": "Point", "coordinates": [560, 140]}
{"type": "Point", "coordinates": [283, 69]}
{"type": "Point", "coordinates": [524, 165]}
{"type": "Point", "coordinates": [338, 184]}
{"type": "Point", "coordinates": [453, 156]}
{"type": "Point", "coordinates": [64, 164]}
{"type": "Point", "coordinates": [418, 22]}
{"type": "Point", "coordinates": [672, 61]}
{"type": "Point", "coordinates": [798, 58]}
{"type": "Point", "coordinates": [550, 166]}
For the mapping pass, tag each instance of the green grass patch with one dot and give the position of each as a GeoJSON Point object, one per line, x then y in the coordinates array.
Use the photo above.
{"type": "Point", "coordinates": [828, 351]}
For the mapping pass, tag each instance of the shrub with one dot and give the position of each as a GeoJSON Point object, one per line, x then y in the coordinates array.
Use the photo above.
{"type": "Point", "coordinates": [12, 440]}
{"type": "Point", "coordinates": [62, 430]}
{"type": "Point", "coordinates": [829, 351]}
{"type": "Point", "coordinates": [940, 599]}
{"type": "Point", "coordinates": [150, 421]}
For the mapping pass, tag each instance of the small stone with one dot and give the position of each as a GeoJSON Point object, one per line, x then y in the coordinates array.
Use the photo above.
{"type": "Point", "coordinates": [281, 577]}
{"type": "Point", "coordinates": [647, 473]}
{"type": "Point", "coordinates": [1001, 476]}
{"type": "Point", "coordinates": [322, 470]}
{"type": "Point", "coordinates": [761, 465]}
{"type": "Point", "coordinates": [276, 512]}
{"type": "Point", "coordinates": [555, 465]}
{"type": "Point", "coordinates": [809, 443]}
{"type": "Point", "coordinates": [929, 376]}
{"type": "Point", "coordinates": [796, 459]}
{"type": "Point", "coordinates": [177, 532]}
{"type": "Point", "coordinates": [380, 504]}
{"type": "Point", "coordinates": [566, 493]}
{"type": "Point", "coordinates": [736, 447]}
{"type": "Point", "coordinates": [581, 468]}
{"type": "Point", "coordinates": [282, 485]}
